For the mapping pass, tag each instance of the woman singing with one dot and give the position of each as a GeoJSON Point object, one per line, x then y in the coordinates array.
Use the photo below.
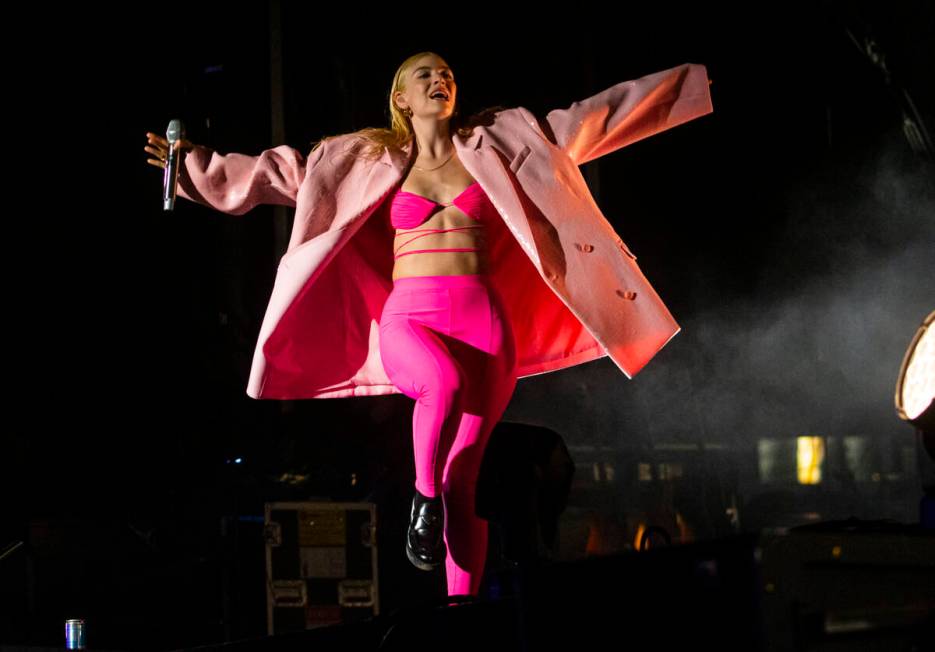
{"type": "Point", "coordinates": [444, 259]}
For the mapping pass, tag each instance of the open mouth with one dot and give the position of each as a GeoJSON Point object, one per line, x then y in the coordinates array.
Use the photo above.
{"type": "Point", "coordinates": [440, 95]}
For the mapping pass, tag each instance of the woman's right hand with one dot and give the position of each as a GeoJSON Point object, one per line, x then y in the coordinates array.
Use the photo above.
{"type": "Point", "coordinates": [160, 148]}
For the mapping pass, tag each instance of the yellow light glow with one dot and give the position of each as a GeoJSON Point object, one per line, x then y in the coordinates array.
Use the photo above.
{"type": "Point", "coordinates": [639, 535]}
{"type": "Point", "coordinates": [810, 453]}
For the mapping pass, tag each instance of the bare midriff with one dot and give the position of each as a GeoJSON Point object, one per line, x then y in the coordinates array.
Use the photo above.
{"type": "Point", "coordinates": [453, 178]}
{"type": "Point", "coordinates": [443, 263]}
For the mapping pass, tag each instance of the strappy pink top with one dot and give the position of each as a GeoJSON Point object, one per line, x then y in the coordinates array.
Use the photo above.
{"type": "Point", "coordinates": [409, 210]}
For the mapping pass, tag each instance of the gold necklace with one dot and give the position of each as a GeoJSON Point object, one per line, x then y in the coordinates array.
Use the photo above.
{"type": "Point", "coordinates": [435, 168]}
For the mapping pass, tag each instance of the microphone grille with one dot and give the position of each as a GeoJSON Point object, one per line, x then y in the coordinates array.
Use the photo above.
{"type": "Point", "coordinates": [175, 131]}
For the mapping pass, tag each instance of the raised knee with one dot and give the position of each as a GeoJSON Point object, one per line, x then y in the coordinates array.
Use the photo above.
{"type": "Point", "coordinates": [445, 388]}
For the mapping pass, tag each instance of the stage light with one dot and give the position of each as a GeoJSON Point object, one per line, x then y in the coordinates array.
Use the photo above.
{"type": "Point", "coordinates": [915, 387]}
{"type": "Point", "coordinates": [915, 392]}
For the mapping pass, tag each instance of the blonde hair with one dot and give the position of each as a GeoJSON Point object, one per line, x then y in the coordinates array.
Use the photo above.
{"type": "Point", "coordinates": [376, 139]}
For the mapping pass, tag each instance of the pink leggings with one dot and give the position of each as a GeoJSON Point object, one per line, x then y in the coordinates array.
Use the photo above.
{"type": "Point", "coordinates": [447, 342]}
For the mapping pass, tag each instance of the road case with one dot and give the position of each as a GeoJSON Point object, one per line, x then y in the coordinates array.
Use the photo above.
{"type": "Point", "coordinates": [321, 564]}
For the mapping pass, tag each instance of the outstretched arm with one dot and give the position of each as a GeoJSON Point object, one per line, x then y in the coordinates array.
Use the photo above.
{"type": "Point", "coordinates": [630, 111]}
{"type": "Point", "coordinates": [236, 183]}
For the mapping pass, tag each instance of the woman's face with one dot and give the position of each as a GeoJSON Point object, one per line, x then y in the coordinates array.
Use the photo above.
{"type": "Point", "coordinates": [428, 76]}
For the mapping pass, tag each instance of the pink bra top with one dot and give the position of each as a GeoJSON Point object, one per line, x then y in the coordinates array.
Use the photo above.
{"type": "Point", "coordinates": [409, 210]}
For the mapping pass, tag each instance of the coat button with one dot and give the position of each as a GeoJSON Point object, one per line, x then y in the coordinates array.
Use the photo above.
{"type": "Point", "coordinates": [626, 294]}
{"type": "Point", "coordinates": [587, 248]}
{"type": "Point", "coordinates": [625, 250]}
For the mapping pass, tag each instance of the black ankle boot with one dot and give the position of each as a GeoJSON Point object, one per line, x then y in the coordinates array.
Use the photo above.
{"type": "Point", "coordinates": [425, 546]}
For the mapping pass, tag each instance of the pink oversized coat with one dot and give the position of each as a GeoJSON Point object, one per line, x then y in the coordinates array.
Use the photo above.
{"type": "Point", "coordinates": [572, 287]}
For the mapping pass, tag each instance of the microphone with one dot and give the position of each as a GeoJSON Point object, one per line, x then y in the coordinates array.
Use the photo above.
{"type": "Point", "coordinates": [176, 131]}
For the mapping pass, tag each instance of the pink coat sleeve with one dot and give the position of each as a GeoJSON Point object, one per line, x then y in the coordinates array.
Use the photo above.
{"type": "Point", "coordinates": [630, 111]}
{"type": "Point", "coordinates": [235, 183]}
